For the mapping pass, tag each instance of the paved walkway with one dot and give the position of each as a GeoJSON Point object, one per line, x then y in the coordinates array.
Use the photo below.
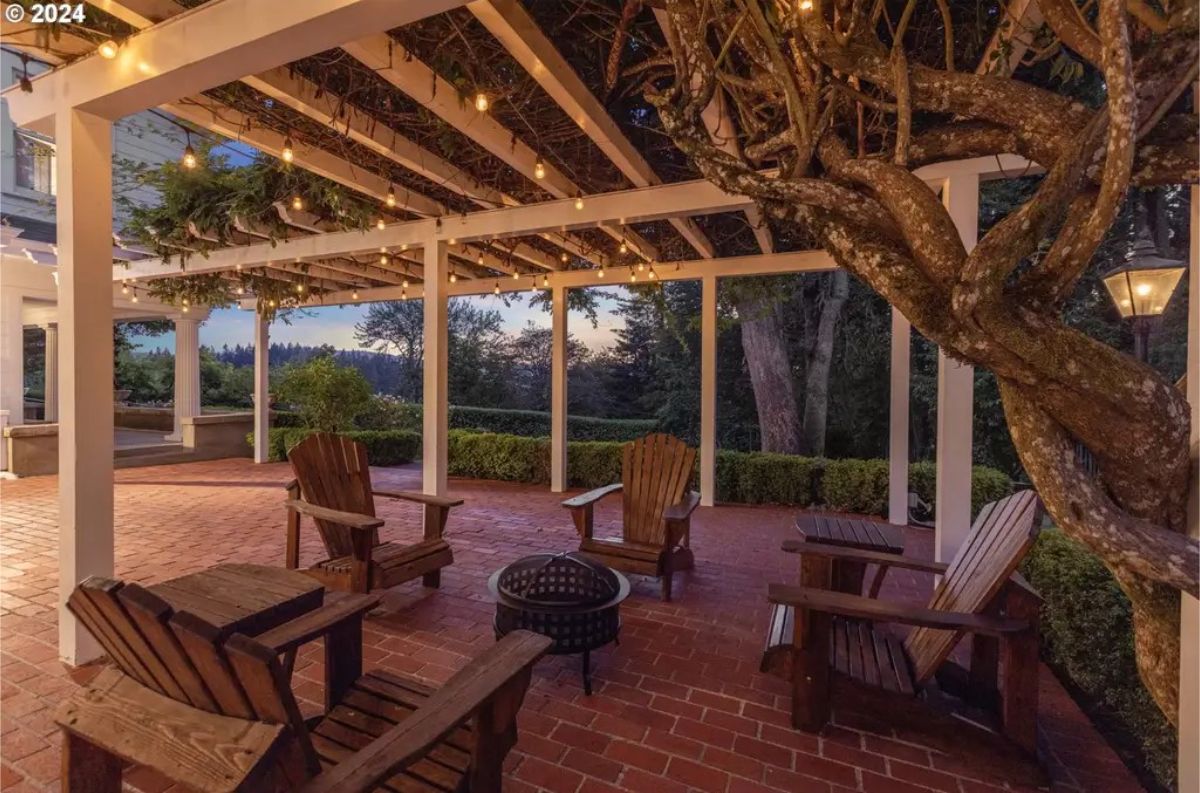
{"type": "Point", "coordinates": [679, 706]}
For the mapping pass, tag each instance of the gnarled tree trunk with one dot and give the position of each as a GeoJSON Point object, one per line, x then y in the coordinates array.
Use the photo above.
{"type": "Point", "coordinates": [820, 357]}
{"type": "Point", "coordinates": [800, 79]}
{"type": "Point", "coordinates": [765, 348]}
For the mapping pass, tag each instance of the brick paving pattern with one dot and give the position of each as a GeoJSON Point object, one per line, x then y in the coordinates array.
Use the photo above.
{"type": "Point", "coordinates": [679, 706]}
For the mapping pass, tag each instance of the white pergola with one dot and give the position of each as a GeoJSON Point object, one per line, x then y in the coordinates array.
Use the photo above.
{"type": "Point", "coordinates": [181, 53]}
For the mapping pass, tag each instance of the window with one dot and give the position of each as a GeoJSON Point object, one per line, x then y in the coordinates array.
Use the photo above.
{"type": "Point", "coordinates": [34, 160]}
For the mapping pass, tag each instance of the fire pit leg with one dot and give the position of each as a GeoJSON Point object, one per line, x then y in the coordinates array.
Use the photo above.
{"type": "Point", "coordinates": [587, 672]}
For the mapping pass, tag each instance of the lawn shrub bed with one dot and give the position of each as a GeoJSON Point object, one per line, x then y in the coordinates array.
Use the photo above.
{"type": "Point", "coordinates": [384, 447]}
{"type": "Point", "coordinates": [1087, 638]}
{"type": "Point", "coordinates": [386, 414]}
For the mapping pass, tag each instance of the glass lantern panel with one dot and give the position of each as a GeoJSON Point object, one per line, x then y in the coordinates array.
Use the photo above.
{"type": "Point", "coordinates": [1143, 293]}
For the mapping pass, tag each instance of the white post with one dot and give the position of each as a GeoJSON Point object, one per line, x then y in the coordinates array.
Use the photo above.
{"type": "Point", "coordinates": [956, 396]}
{"type": "Point", "coordinates": [262, 387]}
{"type": "Point", "coordinates": [187, 373]}
{"type": "Point", "coordinates": [85, 318]}
{"type": "Point", "coordinates": [435, 397]}
{"type": "Point", "coordinates": [898, 420]}
{"type": "Point", "coordinates": [50, 374]}
{"type": "Point", "coordinates": [1189, 626]}
{"type": "Point", "coordinates": [12, 355]}
{"type": "Point", "coordinates": [3, 441]}
{"type": "Point", "coordinates": [708, 390]}
{"type": "Point", "coordinates": [558, 390]}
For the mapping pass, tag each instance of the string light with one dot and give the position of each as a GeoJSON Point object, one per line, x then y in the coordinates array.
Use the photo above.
{"type": "Point", "coordinates": [653, 275]}
{"type": "Point", "coordinates": [453, 277]}
{"type": "Point", "coordinates": [480, 259]}
{"type": "Point", "coordinates": [297, 202]}
{"type": "Point", "coordinates": [579, 200]}
{"type": "Point", "coordinates": [539, 169]}
{"type": "Point", "coordinates": [381, 224]}
{"type": "Point", "coordinates": [287, 154]}
{"type": "Point", "coordinates": [185, 301]}
{"type": "Point", "coordinates": [403, 246]}
{"type": "Point", "coordinates": [632, 275]}
{"type": "Point", "coordinates": [238, 267]}
{"type": "Point", "coordinates": [241, 290]}
{"type": "Point", "coordinates": [805, 5]}
{"type": "Point", "coordinates": [451, 241]}
{"type": "Point", "coordinates": [481, 102]}
{"type": "Point", "coordinates": [533, 284]}
{"type": "Point", "coordinates": [516, 275]}
{"type": "Point", "coordinates": [391, 196]}
{"type": "Point", "coordinates": [108, 50]}
{"type": "Point", "coordinates": [271, 303]}
{"type": "Point", "coordinates": [185, 308]}
{"type": "Point", "coordinates": [496, 288]}
{"type": "Point", "coordinates": [404, 283]}
{"type": "Point", "coordinates": [641, 267]}
{"type": "Point", "coordinates": [354, 295]}
{"type": "Point", "coordinates": [300, 288]}
{"type": "Point", "coordinates": [189, 154]}
{"type": "Point", "coordinates": [135, 298]}
{"type": "Point", "coordinates": [545, 280]}
{"type": "Point", "coordinates": [384, 259]}
{"type": "Point", "coordinates": [624, 248]}
{"type": "Point", "coordinates": [404, 292]}
{"type": "Point", "coordinates": [600, 272]}
{"type": "Point", "coordinates": [124, 289]}
{"type": "Point", "coordinates": [564, 258]}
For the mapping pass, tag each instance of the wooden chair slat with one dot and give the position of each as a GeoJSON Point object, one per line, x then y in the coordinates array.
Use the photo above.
{"type": "Point", "coordinates": [98, 624]}
{"type": "Point", "coordinates": [151, 613]}
{"type": "Point", "coordinates": [202, 643]}
{"type": "Point", "coordinates": [1002, 536]}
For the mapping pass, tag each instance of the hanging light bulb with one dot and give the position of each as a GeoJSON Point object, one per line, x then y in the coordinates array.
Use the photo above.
{"type": "Point", "coordinates": [108, 50]}
{"type": "Point", "coordinates": [403, 246]}
{"type": "Point", "coordinates": [539, 169]}
{"type": "Point", "coordinates": [632, 276]}
{"type": "Point", "coordinates": [641, 267]}
{"type": "Point", "coordinates": [533, 284]}
{"type": "Point", "coordinates": [297, 202]}
{"type": "Point", "coordinates": [624, 248]}
{"type": "Point", "coordinates": [404, 284]}
{"type": "Point", "coordinates": [124, 289]}
{"type": "Point", "coordinates": [241, 290]}
{"type": "Point", "coordinates": [300, 288]}
{"type": "Point", "coordinates": [600, 272]}
{"type": "Point", "coordinates": [135, 298]}
{"type": "Point", "coordinates": [579, 200]}
{"type": "Point", "coordinates": [381, 224]}
{"type": "Point", "coordinates": [238, 267]}
{"type": "Point", "coordinates": [453, 277]}
{"type": "Point", "coordinates": [384, 259]}
{"type": "Point", "coordinates": [404, 292]}
{"type": "Point", "coordinates": [516, 275]}
{"type": "Point", "coordinates": [563, 258]}
{"type": "Point", "coordinates": [271, 303]}
{"type": "Point", "coordinates": [653, 275]}
{"type": "Point", "coordinates": [481, 102]}
{"type": "Point", "coordinates": [545, 280]}
{"type": "Point", "coordinates": [496, 288]}
{"type": "Point", "coordinates": [287, 154]}
{"type": "Point", "coordinates": [391, 196]}
{"type": "Point", "coordinates": [354, 295]}
{"type": "Point", "coordinates": [189, 160]}
{"type": "Point", "coordinates": [805, 5]}
{"type": "Point", "coordinates": [185, 301]}
{"type": "Point", "coordinates": [185, 308]}
{"type": "Point", "coordinates": [451, 241]}
{"type": "Point", "coordinates": [480, 259]}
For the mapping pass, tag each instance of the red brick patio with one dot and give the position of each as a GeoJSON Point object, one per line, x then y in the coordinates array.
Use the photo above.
{"type": "Point", "coordinates": [679, 705]}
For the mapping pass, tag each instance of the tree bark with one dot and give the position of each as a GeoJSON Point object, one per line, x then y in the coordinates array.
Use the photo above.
{"type": "Point", "coordinates": [770, 368]}
{"type": "Point", "coordinates": [820, 357]}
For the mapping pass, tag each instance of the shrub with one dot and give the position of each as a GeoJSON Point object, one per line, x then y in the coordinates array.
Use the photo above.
{"type": "Point", "coordinates": [509, 458]}
{"type": "Point", "coordinates": [593, 463]}
{"type": "Point", "coordinates": [855, 486]}
{"type": "Point", "coordinates": [328, 396]}
{"type": "Point", "coordinates": [1087, 638]}
{"type": "Point", "coordinates": [765, 478]}
{"type": "Point", "coordinates": [384, 447]}
{"type": "Point", "coordinates": [386, 413]}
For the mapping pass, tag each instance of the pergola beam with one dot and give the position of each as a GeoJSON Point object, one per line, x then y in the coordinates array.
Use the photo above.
{"type": "Point", "coordinates": [513, 27]}
{"type": "Point", "coordinates": [205, 47]}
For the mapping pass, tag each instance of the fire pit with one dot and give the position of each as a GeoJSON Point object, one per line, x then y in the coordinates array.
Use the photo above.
{"type": "Point", "coordinates": [566, 597]}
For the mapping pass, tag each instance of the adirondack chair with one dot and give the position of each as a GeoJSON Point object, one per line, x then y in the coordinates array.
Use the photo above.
{"type": "Point", "coordinates": [217, 713]}
{"type": "Point", "coordinates": [333, 487]}
{"type": "Point", "coordinates": [657, 508]}
{"type": "Point", "coordinates": [828, 645]}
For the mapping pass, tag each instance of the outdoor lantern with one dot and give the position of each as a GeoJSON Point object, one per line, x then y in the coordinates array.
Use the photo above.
{"type": "Point", "coordinates": [1142, 286]}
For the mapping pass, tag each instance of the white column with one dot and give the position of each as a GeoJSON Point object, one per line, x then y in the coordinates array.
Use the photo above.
{"type": "Point", "coordinates": [85, 318]}
{"type": "Point", "coordinates": [262, 387]}
{"type": "Point", "coordinates": [558, 390]}
{"type": "Point", "coordinates": [708, 390]}
{"type": "Point", "coordinates": [1189, 628]}
{"type": "Point", "coordinates": [436, 382]}
{"type": "Point", "coordinates": [956, 397]}
{"type": "Point", "coordinates": [898, 419]}
{"type": "Point", "coordinates": [50, 374]}
{"type": "Point", "coordinates": [187, 373]}
{"type": "Point", "coordinates": [12, 354]}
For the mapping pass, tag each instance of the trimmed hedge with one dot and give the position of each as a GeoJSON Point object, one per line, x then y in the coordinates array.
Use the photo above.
{"type": "Point", "coordinates": [384, 447]}
{"type": "Point", "coordinates": [528, 423]}
{"type": "Point", "coordinates": [1087, 638]}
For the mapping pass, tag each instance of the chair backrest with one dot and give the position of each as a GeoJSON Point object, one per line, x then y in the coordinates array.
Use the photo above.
{"type": "Point", "coordinates": [333, 473]}
{"type": "Point", "coordinates": [1002, 535]}
{"type": "Point", "coordinates": [655, 472]}
{"type": "Point", "coordinates": [182, 657]}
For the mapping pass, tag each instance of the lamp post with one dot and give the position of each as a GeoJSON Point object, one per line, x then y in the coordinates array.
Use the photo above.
{"type": "Point", "coordinates": [1141, 287]}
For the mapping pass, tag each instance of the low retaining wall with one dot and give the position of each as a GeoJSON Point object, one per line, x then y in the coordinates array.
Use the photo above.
{"type": "Point", "coordinates": [144, 418]}
{"type": "Point", "coordinates": [32, 449]}
{"type": "Point", "coordinates": [218, 435]}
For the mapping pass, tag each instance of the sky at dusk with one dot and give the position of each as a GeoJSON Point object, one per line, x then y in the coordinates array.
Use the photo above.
{"type": "Point", "coordinates": [335, 325]}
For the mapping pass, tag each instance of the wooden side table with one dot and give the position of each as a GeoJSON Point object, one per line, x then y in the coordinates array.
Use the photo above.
{"type": "Point", "coordinates": [243, 598]}
{"type": "Point", "coordinates": [859, 533]}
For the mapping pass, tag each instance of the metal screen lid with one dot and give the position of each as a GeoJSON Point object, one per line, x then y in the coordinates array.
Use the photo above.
{"type": "Point", "coordinates": [575, 579]}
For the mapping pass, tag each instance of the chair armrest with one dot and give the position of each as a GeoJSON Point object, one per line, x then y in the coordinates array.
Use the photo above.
{"type": "Point", "coordinates": [684, 509]}
{"type": "Point", "coordinates": [207, 751]}
{"type": "Point", "coordinates": [420, 498]}
{"type": "Point", "coordinates": [352, 519]}
{"type": "Point", "coordinates": [867, 557]}
{"type": "Point", "coordinates": [337, 610]}
{"type": "Point", "coordinates": [410, 740]}
{"type": "Point", "coordinates": [846, 605]}
{"type": "Point", "coordinates": [591, 497]}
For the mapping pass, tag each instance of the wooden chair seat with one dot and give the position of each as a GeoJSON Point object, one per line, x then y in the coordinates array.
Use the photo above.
{"type": "Point", "coordinates": [393, 563]}
{"type": "Point", "coordinates": [615, 546]}
{"type": "Point", "coordinates": [856, 650]}
{"type": "Point", "coordinates": [377, 702]}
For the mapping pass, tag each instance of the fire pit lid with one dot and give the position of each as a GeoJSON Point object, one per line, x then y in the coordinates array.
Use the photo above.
{"type": "Point", "coordinates": [568, 581]}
